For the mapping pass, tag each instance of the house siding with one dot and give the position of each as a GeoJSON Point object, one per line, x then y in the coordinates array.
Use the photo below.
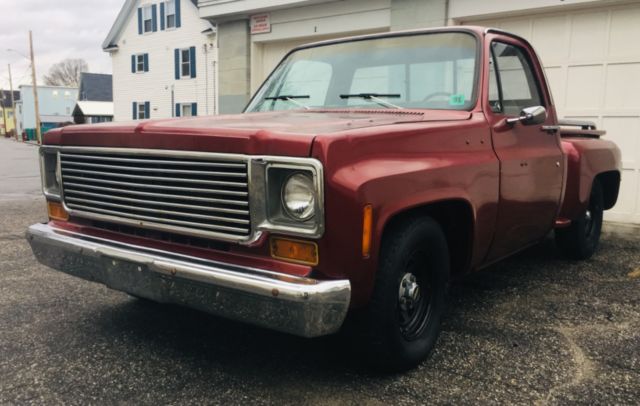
{"type": "Point", "coordinates": [55, 104]}
{"type": "Point", "coordinates": [157, 84]}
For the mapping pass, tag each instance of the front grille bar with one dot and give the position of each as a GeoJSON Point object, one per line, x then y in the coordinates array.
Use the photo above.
{"type": "Point", "coordinates": [153, 178]}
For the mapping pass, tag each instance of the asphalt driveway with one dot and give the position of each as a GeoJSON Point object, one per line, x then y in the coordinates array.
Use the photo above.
{"type": "Point", "coordinates": [533, 329]}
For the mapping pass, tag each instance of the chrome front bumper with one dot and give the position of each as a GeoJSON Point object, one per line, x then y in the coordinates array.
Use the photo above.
{"type": "Point", "coordinates": [296, 305]}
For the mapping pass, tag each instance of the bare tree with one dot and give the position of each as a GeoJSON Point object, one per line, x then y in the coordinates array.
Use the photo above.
{"type": "Point", "coordinates": [66, 73]}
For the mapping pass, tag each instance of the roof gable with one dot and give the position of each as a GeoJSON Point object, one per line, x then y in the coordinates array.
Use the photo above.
{"type": "Point", "coordinates": [129, 6]}
{"type": "Point", "coordinates": [95, 87]}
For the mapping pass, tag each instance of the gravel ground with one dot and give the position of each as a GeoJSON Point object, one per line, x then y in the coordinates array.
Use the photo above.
{"type": "Point", "coordinates": [532, 329]}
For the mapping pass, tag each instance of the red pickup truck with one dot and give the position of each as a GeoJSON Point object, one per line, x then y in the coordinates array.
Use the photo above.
{"type": "Point", "coordinates": [364, 175]}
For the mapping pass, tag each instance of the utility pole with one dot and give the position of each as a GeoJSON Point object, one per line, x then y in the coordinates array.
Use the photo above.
{"type": "Point", "coordinates": [4, 112]}
{"type": "Point", "coordinates": [35, 90]}
{"type": "Point", "coordinates": [13, 105]}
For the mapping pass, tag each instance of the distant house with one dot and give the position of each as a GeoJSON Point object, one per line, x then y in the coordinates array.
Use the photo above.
{"type": "Point", "coordinates": [56, 104]}
{"type": "Point", "coordinates": [6, 112]}
{"type": "Point", "coordinates": [164, 60]}
{"type": "Point", "coordinates": [95, 99]}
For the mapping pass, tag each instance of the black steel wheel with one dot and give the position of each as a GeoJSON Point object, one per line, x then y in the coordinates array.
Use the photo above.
{"type": "Point", "coordinates": [402, 322]}
{"type": "Point", "coordinates": [580, 240]}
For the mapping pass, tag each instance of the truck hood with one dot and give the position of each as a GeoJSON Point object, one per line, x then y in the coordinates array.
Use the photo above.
{"type": "Point", "coordinates": [289, 133]}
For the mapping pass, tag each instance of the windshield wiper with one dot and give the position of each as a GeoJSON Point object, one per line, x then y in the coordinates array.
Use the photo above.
{"type": "Point", "coordinates": [375, 97]}
{"type": "Point", "coordinates": [290, 99]}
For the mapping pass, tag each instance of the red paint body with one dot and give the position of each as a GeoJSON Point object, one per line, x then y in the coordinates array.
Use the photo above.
{"type": "Point", "coordinates": [515, 181]}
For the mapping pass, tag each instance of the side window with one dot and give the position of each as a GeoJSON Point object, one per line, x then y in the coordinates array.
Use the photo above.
{"type": "Point", "coordinates": [494, 93]}
{"type": "Point", "coordinates": [515, 84]}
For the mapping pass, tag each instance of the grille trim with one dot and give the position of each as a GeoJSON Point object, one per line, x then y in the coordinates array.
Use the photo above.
{"type": "Point", "coordinates": [190, 193]}
{"type": "Point", "coordinates": [171, 221]}
{"type": "Point", "coordinates": [137, 192]}
{"type": "Point", "coordinates": [140, 169]}
{"type": "Point", "coordinates": [159, 203]}
{"type": "Point", "coordinates": [100, 158]}
{"type": "Point", "coordinates": [156, 178]}
{"type": "Point", "coordinates": [212, 191]}
{"type": "Point", "coordinates": [148, 210]}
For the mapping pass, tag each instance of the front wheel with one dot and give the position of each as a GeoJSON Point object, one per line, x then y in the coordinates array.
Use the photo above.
{"type": "Point", "coordinates": [580, 240]}
{"type": "Point", "coordinates": [402, 322]}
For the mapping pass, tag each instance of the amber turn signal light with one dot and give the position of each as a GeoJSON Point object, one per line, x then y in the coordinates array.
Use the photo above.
{"type": "Point", "coordinates": [301, 252]}
{"type": "Point", "coordinates": [367, 221]}
{"type": "Point", "coordinates": [56, 211]}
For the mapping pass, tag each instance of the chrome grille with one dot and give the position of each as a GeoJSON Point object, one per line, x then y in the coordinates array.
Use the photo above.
{"type": "Point", "coordinates": [189, 193]}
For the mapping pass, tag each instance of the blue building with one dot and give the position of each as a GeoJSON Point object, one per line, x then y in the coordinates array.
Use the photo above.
{"type": "Point", "coordinates": [56, 105]}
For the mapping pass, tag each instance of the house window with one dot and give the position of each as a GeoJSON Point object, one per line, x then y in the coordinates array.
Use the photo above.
{"type": "Point", "coordinates": [186, 109]}
{"type": "Point", "coordinates": [185, 63]}
{"type": "Point", "coordinates": [139, 63]}
{"type": "Point", "coordinates": [147, 19]}
{"type": "Point", "coordinates": [140, 110]}
{"type": "Point", "coordinates": [170, 17]}
{"type": "Point", "coordinates": [55, 93]}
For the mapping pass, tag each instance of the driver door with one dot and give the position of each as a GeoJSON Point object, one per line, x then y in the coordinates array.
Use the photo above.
{"type": "Point", "coordinates": [531, 160]}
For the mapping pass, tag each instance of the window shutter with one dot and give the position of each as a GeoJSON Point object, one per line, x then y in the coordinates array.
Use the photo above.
{"type": "Point", "coordinates": [177, 109]}
{"type": "Point", "coordinates": [154, 17]}
{"type": "Point", "coordinates": [146, 62]}
{"type": "Point", "coordinates": [133, 64]}
{"type": "Point", "coordinates": [176, 58]}
{"type": "Point", "coordinates": [192, 61]}
{"type": "Point", "coordinates": [178, 13]}
{"type": "Point", "coordinates": [147, 110]}
{"type": "Point", "coordinates": [162, 16]}
{"type": "Point", "coordinates": [140, 20]}
{"type": "Point", "coordinates": [135, 110]}
{"type": "Point", "coordinates": [194, 109]}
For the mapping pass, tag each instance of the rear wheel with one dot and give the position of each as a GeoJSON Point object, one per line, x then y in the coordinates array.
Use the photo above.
{"type": "Point", "coordinates": [402, 322]}
{"type": "Point", "coordinates": [580, 240]}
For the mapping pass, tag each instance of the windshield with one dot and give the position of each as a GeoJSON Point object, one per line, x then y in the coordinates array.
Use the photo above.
{"type": "Point", "coordinates": [422, 71]}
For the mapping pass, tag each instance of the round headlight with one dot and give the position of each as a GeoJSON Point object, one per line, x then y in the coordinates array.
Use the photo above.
{"type": "Point", "coordinates": [298, 196]}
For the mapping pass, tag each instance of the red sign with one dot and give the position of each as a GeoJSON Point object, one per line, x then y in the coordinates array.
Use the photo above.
{"type": "Point", "coordinates": [260, 24]}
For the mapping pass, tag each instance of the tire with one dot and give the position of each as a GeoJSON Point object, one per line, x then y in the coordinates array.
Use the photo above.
{"type": "Point", "coordinates": [580, 240]}
{"type": "Point", "coordinates": [400, 327]}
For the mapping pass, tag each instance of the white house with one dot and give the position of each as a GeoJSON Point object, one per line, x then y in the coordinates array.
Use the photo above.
{"type": "Point", "coordinates": [588, 49]}
{"type": "Point", "coordinates": [164, 60]}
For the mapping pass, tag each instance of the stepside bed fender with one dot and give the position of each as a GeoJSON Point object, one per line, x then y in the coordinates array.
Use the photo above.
{"type": "Point", "coordinates": [587, 159]}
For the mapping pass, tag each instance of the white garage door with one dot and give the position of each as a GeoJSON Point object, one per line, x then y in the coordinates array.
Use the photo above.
{"type": "Point", "coordinates": [592, 60]}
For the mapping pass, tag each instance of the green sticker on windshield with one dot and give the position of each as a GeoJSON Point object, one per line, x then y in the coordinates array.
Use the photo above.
{"type": "Point", "coordinates": [456, 99]}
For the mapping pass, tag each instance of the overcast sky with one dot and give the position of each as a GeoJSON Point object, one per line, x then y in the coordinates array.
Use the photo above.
{"type": "Point", "coordinates": [61, 29]}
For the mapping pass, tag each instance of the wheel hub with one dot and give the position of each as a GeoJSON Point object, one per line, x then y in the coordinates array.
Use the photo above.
{"type": "Point", "coordinates": [409, 292]}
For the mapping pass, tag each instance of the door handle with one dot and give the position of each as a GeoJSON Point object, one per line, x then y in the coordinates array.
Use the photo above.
{"type": "Point", "coordinates": [550, 129]}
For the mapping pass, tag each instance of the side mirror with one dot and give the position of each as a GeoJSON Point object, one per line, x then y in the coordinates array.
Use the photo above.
{"type": "Point", "coordinates": [530, 116]}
